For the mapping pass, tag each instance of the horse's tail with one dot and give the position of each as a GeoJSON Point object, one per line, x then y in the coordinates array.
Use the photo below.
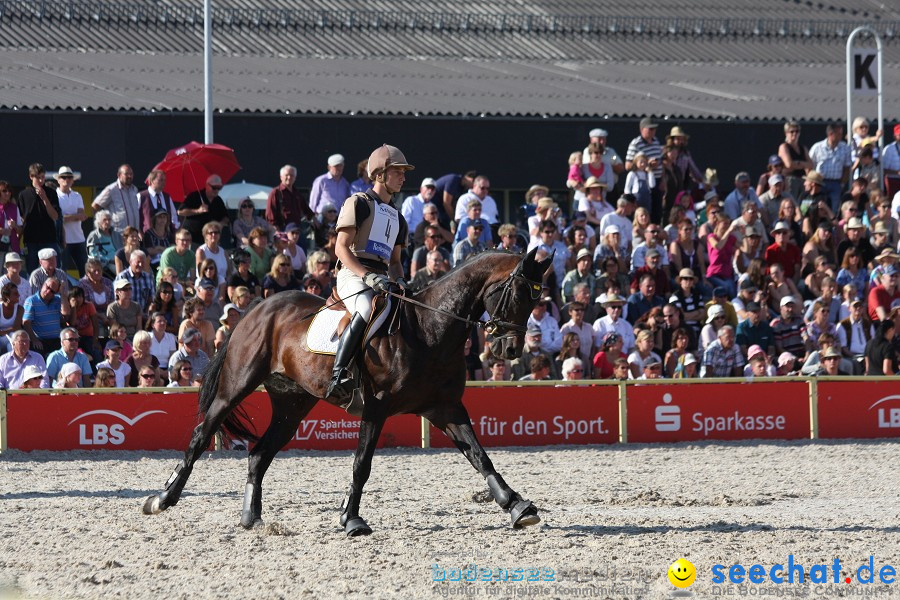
{"type": "Point", "coordinates": [237, 423]}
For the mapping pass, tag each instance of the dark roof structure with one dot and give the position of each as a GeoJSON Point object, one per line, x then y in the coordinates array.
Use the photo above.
{"type": "Point", "coordinates": [734, 59]}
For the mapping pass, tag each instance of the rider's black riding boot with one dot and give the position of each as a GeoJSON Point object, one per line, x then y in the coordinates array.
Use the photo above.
{"type": "Point", "coordinates": [342, 382]}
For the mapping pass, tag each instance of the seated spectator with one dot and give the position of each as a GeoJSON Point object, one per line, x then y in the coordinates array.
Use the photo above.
{"type": "Point", "coordinates": [610, 247]}
{"type": "Point", "coordinates": [790, 331]}
{"type": "Point", "coordinates": [580, 274]}
{"type": "Point", "coordinates": [831, 363]}
{"type": "Point", "coordinates": [880, 355]}
{"type": "Point", "coordinates": [756, 331]}
{"type": "Point", "coordinates": [124, 311]}
{"type": "Point", "coordinates": [311, 285]}
{"type": "Point", "coordinates": [473, 213]}
{"type": "Point", "coordinates": [430, 219]}
{"type": "Point", "coordinates": [497, 367]}
{"type": "Point", "coordinates": [856, 238]}
{"type": "Point", "coordinates": [549, 243]}
{"type": "Point", "coordinates": [715, 320]}
{"type": "Point", "coordinates": [758, 364]}
{"type": "Point", "coordinates": [132, 238]}
{"type": "Point", "coordinates": [577, 237]}
{"type": "Point", "coordinates": [242, 275]}
{"type": "Point", "coordinates": [67, 354]}
{"type": "Point", "coordinates": [818, 326]}
{"type": "Point", "coordinates": [532, 348]}
{"type": "Point", "coordinates": [620, 219]}
{"type": "Point", "coordinates": [686, 254]}
{"type": "Point", "coordinates": [472, 243]}
{"type": "Point", "coordinates": [433, 241]}
{"type": "Point", "coordinates": [106, 378]}
{"type": "Point", "coordinates": [113, 353]}
{"type": "Point", "coordinates": [621, 370]}
{"type": "Point", "coordinates": [213, 249]}
{"type": "Point", "coordinates": [185, 375]}
{"type": "Point", "coordinates": [319, 265]}
{"type": "Point", "coordinates": [10, 315]}
{"type": "Point", "coordinates": [158, 237]}
{"type": "Point", "coordinates": [613, 323]}
{"type": "Point", "coordinates": [433, 270]}
{"type": "Point", "coordinates": [675, 357]}
{"type": "Point", "coordinates": [509, 239]}
{"type": "Point", "coordinates": [143, 287]}
{"type": "Point", "coordinates": [207, 293]}
{"type": "Point", "coordinates": [540, 369]}
{"type": "Point", "coordinates": [42, 316]}
{"type": "Point", "coordinates": [103, 242]}
{"type": "Point", "coordinates": [148, 377]}
{"type": "Point", "coordinates": [612, 276]}
{"type": "Point", "coordinates": [231, 315]}
{"type": "Point", "coordinates": [643, 354]}
{"type": "Point", "coordinates": [786, 362]}
{"type": "Point", "coordinates": [70, 376]}
{"type": "Point", "coordinates": [118, 333]}
{"type": "Point", "coordinates": [581, 294]}
{"type": "Point", "coordinates": [13, 264]}
{"type": "Point", "coordinates": [280, 278]}
{"type": "Point", "coordinates": [571, 347]}
{"type": "Point", "coordinates": [652, 267]}
{"type": "Point", "coordinates": [210, 270]}
{"type": "Point", "coordinates": [164, 303]}
{"type": "Point", "coordinates": [654, 238]}
{"type": "Point", "coordinates": [749, 223]}
{"type": "Point", "coordinates": [572, 369]}
{"type": "Point", "coordinates": [652, 370]}
{"type": "Point", "coordinates": [162, 342]}
{"type": "Point", "coordinates": [686, 367]}
{"type": "Point", "coordinates": [605, 359]}
{"type": "Point", "coordinates": [14, 363]}
{"type": "Point", "coordinates": [48, 270]}
{"type": "Point", "coordinates": [854, 334]}
{"type": "Point", "coordinates": [260, 253]}
{"type": "Point", "coordinates": [246, 222]}
{"type": "Point", "coordinates": [191, 341]}
{"type": "Point", "coordinates": [884, 296]}
{"type": "Point", "coordinates": [780, 286]}
{"type": "Point", "coordinates": [180, 258]}
{"type": "Point", "coordinates": [854, 271]}
{"type": "Point", "coordinates": [551, 342]}
{"type": "Point", "coordinates": [33, 378]}
{"type": "Point", "coordinates": [720, 296]}
{"type": "Point", "coordinates": [83, 317]}
{"type": "Point", "coordinates": [577, 325]}
{"type": "Point", "coordinates": [141, 357]}
{"type": "Point", "coordinates": [723, 358]}
{"type": "Point", "coordinates": [640, 302]}
{"type": "Point", "coordinates": [195, 318]}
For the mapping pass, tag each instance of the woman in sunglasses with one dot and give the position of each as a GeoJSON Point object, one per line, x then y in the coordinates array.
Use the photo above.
{"type": "Point", "coordinates": [247, 220]}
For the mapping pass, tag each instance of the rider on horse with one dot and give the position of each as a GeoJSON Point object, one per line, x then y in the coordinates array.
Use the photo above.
{"type": "Point", "coordinates": [371, 235]}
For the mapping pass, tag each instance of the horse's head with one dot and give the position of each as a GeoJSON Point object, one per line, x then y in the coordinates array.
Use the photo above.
{"type": "Point", "coordinates": [511, 301]}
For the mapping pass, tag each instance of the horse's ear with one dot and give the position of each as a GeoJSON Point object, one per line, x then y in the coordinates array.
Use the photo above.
{"type": "Point", "coordinates": [529, 258]}
{"type": "Point", "coordinates": [545, 264]}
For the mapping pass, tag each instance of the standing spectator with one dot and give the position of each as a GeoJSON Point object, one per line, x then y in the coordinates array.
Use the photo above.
{"type": "Point", "coordinates": [413, 206]}
{"type": "Point", "coordinates": [71, 206]}
{"type": "Point", "coordinates": [831, 157]}
{"type": "Point", "coordinates": [721, 245]}
{"type": "Point", "coordinates": [47, 270]}
{"type": "Point", "coordinates": [124, 311]}
{"type": "Point", "coordinates": [21, 363]}
{"type": "Point", "coordinates": [120, 198]}
{"type": "Point", "coordinates": [162, 342]}
{"type": "Point", "coordinates": [447, 189]}
{"type": "Point", "coordinates": [10, 221]}
{"type": "Point", "coordinates": [39, 209]}
{"type": "Point", "coordinates": [784, 253]}
{"type": "Point", "coordinates": [880, 355]}
{"type": "Point", "coordinates": [790, 331]}
{"type": "Point", "coordinates": [202, 207]}
{"type": "Point", "coordinates": [742, 193]}
{"type": "Point", "coordinates": [155, 200]}
{"type": "Point", "coordinates": [10, 315]}
{"type": "Point", "coordinates": [595, 170]}
{"type": "Point", "coordinates": [621, 219]}
{"type": "Point", "coordinates": [647, 144]}
{"type": "Point", "coordinates": [795, 157]}
{"type": "Point", "coordinates": [143, 288]}
{"type": "Point", "coordinates": [13, 264]}
{"type": "Point", "coordinates": [103, 242]}
{"type": "Point", "coordinates": [610, 156]}
{"type": "Point", "coordinates": [69, 353]}
{"type": "Point", "coordinates": [330, 187]}
{"type": "Point", "coordinates": [722, 358]}
{"type": "Point", "coordinates": [41, 319]}
{"type": "Point", "coordinates": [640, 181]}
{"type": "Point", "coordinates": [113, 362]}
{"type": "Point", "coordinates": [684, 162]}
{"type": "Point", "coordinates": [284, 205]}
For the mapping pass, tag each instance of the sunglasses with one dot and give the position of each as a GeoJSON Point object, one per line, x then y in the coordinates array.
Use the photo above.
{"type": "Point", "coordinates": [147, 376]}
{"type": "Point", "coordinates": [434, 237]}
{"type": "Point", "coordinates": [577, 371]}
{"type": "Point", "coordinates": [215, 187]}
{"type": "Point", "coordinates": [213, 232]}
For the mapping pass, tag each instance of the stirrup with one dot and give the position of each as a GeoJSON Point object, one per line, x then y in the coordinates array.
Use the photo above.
{"type": "Point", "coordinates": [342, 386]}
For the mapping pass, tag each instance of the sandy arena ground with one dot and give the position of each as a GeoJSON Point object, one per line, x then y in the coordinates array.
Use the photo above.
{"type": "Point", "coordinates": [614, 519]}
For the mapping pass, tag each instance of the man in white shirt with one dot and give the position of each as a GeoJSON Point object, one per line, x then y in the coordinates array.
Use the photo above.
{"type": "Point", "coordinates": [120, 198]}
{"type": "Point", "coordinates": [480, 189]}
{"type": "Point", "coordinates": [853, 333]}
{"type": "Point", "coordinates": [412, 206]}
{"type": "Point", "coordinates": [620, 218]}
{"type": "Point", "coordinates": [614, 323]}
{"type": "Point", "coordinates": [743, 192]}
{"type": "Point", "coordinates": [551, 338]}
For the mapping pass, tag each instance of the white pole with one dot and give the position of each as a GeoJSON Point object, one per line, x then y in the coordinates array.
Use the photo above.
{"type": "Point", "coordinates": [878, 46]}
{"type": "Point", "coordinates": [207, 72]}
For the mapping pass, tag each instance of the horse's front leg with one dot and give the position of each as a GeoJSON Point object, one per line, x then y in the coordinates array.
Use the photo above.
{"type": "Point", "coordinates": [456, 424]}
{"type": "Point", "coordinates": [369, 430]}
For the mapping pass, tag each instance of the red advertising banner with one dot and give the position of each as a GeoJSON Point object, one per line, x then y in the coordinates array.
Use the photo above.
{"type": "Point", "coordinates": [101, 421]}
{"type": "Point", "coordinates": [327, 427]}
{"type": "Point", "coordinates": [727, 411]}
{"type": "Point", "coordinates": [849, 409]}
{"type": "Point", "coordinates": [540, 416]}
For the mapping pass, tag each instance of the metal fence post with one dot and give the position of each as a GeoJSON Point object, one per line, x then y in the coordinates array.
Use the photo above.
{"type": "Point", "coordinates": [623, 413]}
{"type": "Point", "coordinates": [426, 433]}
{"type": "Point", "coordinates": [2, 421]}
{"type": "Point", "coordinates": [813, 408]}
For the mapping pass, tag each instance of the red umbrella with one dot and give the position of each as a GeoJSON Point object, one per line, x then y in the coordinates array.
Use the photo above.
{"type": "Point", "coordinates": [188, 167]}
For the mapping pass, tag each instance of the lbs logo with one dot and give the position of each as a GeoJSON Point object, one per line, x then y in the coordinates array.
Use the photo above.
{"type": "Point", "coordinates": [102, 434]}
{"type": "Point", "coordinates": [668, 418]}
{"type": "Point", "coordinates": [888, 418]}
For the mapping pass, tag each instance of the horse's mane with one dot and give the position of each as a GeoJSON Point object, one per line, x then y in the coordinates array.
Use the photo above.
{"type": "Point", "coordinates": [456, 276]}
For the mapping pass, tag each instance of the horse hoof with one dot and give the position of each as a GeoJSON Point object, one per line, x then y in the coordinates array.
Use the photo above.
{"type": "Point", "coordinates": [250, 521]}
{"type": "Point", "coordinates": [152, 505]}
{"type": "Point", "coordinates": [523, 513]}
{"type": "Point", "coordinates": [356, 526]}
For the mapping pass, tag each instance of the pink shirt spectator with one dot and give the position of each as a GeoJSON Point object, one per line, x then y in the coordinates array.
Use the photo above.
{"type": "Point", "coordinates": [720, 259]}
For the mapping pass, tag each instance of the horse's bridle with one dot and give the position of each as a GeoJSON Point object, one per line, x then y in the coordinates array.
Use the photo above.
{"type": "Point", "coordinates": [493, 325]}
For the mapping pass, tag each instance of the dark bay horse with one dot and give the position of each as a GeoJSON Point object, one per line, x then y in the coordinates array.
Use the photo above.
{"type": "Point", "coordinates": [419, 370]}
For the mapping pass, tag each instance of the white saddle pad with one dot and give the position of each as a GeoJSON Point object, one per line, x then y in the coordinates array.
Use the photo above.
{"type": "Point", "coordinates": [322, 337]}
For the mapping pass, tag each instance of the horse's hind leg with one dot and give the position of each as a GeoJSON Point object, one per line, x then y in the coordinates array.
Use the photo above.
{"type": "Point", "coordinates": [287, 412]}
{"type": "Point", "coordinates": [369, 431]}
{"type": "Point", "coordinates": [456, 424]}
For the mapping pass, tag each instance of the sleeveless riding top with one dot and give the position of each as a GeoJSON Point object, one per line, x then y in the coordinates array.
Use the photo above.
{"type": "Point", "coordinates": [379, 228]}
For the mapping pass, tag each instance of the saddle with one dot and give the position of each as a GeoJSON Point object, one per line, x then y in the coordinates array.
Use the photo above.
{"type": "Point", "coordinates": [379, 301]}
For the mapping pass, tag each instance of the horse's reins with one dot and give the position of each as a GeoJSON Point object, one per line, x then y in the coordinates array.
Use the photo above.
{"type": "Point", "coordinates": [490, 326]}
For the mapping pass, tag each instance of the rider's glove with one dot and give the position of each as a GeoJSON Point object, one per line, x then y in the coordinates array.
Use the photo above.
{"type": "Point", "coordinates": [379, 283]}
{"type": "Point", "coordinates": [404, 287]}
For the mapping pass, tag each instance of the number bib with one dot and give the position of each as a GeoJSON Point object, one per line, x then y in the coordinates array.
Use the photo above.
{"type": "Point", "coordinates": [383, 235]}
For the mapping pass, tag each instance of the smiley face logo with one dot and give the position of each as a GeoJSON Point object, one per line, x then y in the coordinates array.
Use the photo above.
{"type": "Point", "coordinates": [682, 573]}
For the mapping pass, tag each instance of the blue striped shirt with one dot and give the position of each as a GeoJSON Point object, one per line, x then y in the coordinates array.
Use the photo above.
{"type": "Point", "coordinates": [44, 317]}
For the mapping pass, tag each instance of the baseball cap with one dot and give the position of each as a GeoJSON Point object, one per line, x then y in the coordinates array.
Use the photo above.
{"type": "Point", "coordinates": [611, 229]}
{"type": "Point", "coordinates": [611, 338]}
{"type": "Point", "coordinates": [652, 252]}
{"type": "Point", "coordinates": [579, 215]}
{"type": "Point", "coordinates": [788, 300]}
{"type": "Point", "coordinates": [189, 334]}
{"type": "Point", "coordinates": [748, 284]}
{"type": "Point", "coordinates": [207, 283]}
{"type": "Point", "coordinates": [647, 123]}
{"type": "Point", "coordinates": [786, 358]}
{"type": "Point", "coordinates": [428, 182]}
{"type": "Point", "coordinates": [715, 310]}
{"type": "Point", "coordinates": [752, 306]}
{"type": "Point", "coordinates": [720, 292]}
{"type": "Point", "coordinates": [755, 350]}
{"type": "Point", "coordinates": [598, 133]}
{"type": "Point", "coordinates": [775, 160]}
{"type": "Point", "coordinates": [291, 227]}
{"type": "Point", "coordinates": [335, 160]}
{"type": "Point", "coordinates": [112, 345]}
{"type": "Point", "coordinates": [890, 270]}
{"type": "Point", "coordinates": [710, 195]}
{"type": "Point", "coordinates": [533, 332]}
{"type": "Point", "coordinates": [121, 284]}
{"type": "Point", "coordinates": [583, 253]}
{"type": "Point", "coordinates": [477, 223]}
{"type": "Point", "coordinates": [775, 179]}
{"type": "Point", "coordinates": [742, 176]}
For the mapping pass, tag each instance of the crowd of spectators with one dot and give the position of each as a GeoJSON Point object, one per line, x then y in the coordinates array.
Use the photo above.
{"type": "Point", "coordinates": [658, 269]}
